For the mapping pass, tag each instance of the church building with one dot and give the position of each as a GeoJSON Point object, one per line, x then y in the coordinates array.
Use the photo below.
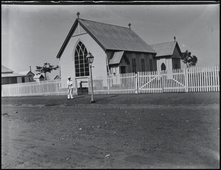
{"type": "Point", "coordinates": [116, 50]}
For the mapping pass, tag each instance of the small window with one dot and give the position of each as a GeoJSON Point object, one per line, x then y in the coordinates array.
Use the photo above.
{"type": "Point", "coordinates": [134, 69]}
{"type": "Point", "coordinates": [142, 65]}
{"type": "Point", "coordinates": [163, 67]}
{"type": "Point", "coordinates": [176, 66]}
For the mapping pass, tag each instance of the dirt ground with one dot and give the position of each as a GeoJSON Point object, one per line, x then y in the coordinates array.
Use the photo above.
{"type": "Point", "coordinates": [168, 130]}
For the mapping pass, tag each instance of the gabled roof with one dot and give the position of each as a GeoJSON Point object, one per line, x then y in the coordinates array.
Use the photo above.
{"type": "Point", "coordinates": [25, 72]}
{"type": "Point", "coordinates": [109, 37]}
{"type": "Point", "coordinates": [57, 77]}
{"type": "Point", "coordinates": [165, 49]}
{"type": "Point", "coordinates": [38, 76]}
{"type": "Point", "coordinates": [6, 70]}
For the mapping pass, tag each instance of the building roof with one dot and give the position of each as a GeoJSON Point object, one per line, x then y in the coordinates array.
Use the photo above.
{"type": "Point", "coordinates": [109, 37]}
{"type": "Point", "coordinates": [38, 76]}
{"type": "Point", "coordinates": [165, 49]}
{"type": "Point", "coordinates": [6, 70]}
{"type": "Point", "coordinates": [14, 75]}
{"type": "Point", "coordinates": [25, 72]}
{"type": "Point", "coordinates": [57, 77]}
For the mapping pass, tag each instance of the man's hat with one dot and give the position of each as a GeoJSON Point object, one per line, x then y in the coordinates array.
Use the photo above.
{"type": "Point", "coordinates": [69, 77]}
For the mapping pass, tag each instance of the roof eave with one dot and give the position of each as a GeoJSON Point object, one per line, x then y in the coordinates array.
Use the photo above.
{"type": "Point", "coordinates": [126, 50]}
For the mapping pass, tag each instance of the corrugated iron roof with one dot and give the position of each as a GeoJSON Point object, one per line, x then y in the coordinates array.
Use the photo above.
{"type": "Point", "coordinates": [116, 57]}
{"type": "Point", "coordinates": [25, 72]}
{"type": "Point", "coordinates": [164, 49]}
{"type": "Point", "coordinates": [6, 70]}
{"type": "Point", "coordinates": [14, 75]}
{"type": "Point", "coordinates": [110, 37]}
{"type": "Point", "coordinates": [113, 37]}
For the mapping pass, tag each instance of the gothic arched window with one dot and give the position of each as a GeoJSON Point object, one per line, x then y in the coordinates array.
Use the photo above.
{"type": "Point", "coordinates": [81, 64]}
{"type": "Point", "coordinates": [163, 66]}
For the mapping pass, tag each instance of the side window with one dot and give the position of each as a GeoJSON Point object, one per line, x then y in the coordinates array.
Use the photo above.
{"type": "Point", "coordinates": [134, 69]}
{"type": "Point", "coordinates": [151, 65]}
{"type": "Point", "coordinates": [142, 65]}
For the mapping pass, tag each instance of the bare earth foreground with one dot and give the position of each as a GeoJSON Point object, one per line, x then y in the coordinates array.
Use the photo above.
{"type": "Point", "coordinates": [168, 130]}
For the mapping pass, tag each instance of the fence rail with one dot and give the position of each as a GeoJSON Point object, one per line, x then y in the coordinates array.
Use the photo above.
{"type": "Point", "coordinates": [195, 79]}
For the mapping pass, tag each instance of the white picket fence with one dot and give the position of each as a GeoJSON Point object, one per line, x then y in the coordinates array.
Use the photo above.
{"type": "Point", "coordinates": [195, 79]}
{"type": "Point", "coordinates": [118, 84]}
{"type": "Point", "coordinates": [55, 87]}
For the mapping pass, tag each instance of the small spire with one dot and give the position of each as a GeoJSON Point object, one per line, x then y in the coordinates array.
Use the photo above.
{"type": "Point", "coordinates": [129, 25]}
{"type": "Point", "coordinates": [174, 39]}
{"type": "Point", "coordinates": [78, 14]}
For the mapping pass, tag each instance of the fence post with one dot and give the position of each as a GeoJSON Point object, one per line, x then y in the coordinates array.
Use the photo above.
{"type": "Point", "coordinates": [108, 85]}
{"type": "Point", "coordinates": [186, 79]}
{"type": "Point", "coordinates": [162, 81]}
{"type": "Point", "coordinates": [136, 83]}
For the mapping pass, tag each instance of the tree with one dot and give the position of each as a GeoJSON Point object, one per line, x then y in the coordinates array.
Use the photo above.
{"type": "Point", "coordinates": [188, 59]}
{"type": "Point", "coordinates": [46, 68]}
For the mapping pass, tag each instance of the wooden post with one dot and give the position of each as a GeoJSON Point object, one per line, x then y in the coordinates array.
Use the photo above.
{"type": "Point", "coordinates": [108, 85]}
{"type": "Point", "coordinates": [186, 79]}
{"type": "Point", "coordinates": [162, 82]}
{"type": "Point", "coordinates": [136, 83]}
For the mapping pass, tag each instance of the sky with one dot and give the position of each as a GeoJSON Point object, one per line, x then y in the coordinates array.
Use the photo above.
{"type": "Point", "coordinates": [33, 34]}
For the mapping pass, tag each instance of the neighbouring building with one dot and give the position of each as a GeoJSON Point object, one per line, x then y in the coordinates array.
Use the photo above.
{"type": "Point", "coordinates": [168, 55]}
{"type": "Point", "coordinates": [116, 50]}
{"type": "Point", "coordinates": [9, 77]}
{"type": "Point", "coordinates": [38, 77]}
{"type": "Point", "coordinates": [29, 73]}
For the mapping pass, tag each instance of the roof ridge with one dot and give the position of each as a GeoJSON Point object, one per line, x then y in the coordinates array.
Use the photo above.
{"type": "Point", "coordinates": [103, 23]}
{"type": "Point", "coordinates": [165, 42]}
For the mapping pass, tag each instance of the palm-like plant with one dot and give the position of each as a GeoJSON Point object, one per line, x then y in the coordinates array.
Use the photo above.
{"type": "Point", "coordinates": [188, 59]}
{"type": "Point", "coordinates": [46, 68]}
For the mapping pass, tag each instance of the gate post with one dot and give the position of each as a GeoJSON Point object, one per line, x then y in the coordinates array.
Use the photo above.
{"type": "Point", "coordinates": [186, 79]}
{"type": "Point", "coordinates": [136, 83]}
{"type": "Point", "coordinates": [76, 86]}
{"type": "Point", "coordinates": [162, 82]}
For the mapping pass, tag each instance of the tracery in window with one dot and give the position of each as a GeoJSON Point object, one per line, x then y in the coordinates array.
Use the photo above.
{"type": "Point", "coordinates": [81, 64]}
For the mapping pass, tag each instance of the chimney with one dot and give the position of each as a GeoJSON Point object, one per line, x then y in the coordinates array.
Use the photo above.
{"type": "Point", "coordinates": [30, 68]}
{"type": "Point", "coordinates": [174, 39]}
{"type": "Point", "coordinates": [129, 25]}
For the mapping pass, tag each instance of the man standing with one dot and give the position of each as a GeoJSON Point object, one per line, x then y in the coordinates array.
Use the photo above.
{"type": "Point", "coordinates": [70, 88]}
